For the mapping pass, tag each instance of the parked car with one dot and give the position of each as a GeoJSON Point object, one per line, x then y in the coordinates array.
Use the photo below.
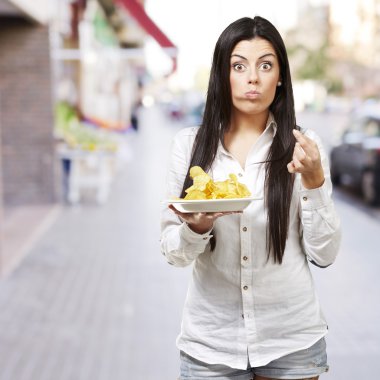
{"type": "Point", "coordinates": [355, 161]}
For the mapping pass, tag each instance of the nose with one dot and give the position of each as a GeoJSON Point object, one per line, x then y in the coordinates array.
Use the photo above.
{"type": "Point", "coordinates": [253, 77]}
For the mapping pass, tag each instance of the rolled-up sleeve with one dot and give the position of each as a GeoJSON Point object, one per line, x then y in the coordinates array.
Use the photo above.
{"type": "Point", "coordinates": [180, 245]}
{"type": "Point", "coordinates": [320, 224]}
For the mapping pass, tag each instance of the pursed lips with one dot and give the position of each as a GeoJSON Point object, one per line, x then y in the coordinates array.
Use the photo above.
{"type": "Point", "coordinates": [252, 94]}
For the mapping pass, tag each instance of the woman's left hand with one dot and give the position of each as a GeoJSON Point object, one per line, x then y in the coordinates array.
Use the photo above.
{"type": "Point", "coordinates": [307, 161]}
{"type": "Point", "coordinates": [201, 222]}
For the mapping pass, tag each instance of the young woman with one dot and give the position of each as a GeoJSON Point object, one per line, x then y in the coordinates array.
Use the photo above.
{"type": "Point", "coordinates": [251, 309]}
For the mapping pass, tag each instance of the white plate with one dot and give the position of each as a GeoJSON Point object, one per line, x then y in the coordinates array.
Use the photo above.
{"type": "Point", "coordinates": [211, 205]}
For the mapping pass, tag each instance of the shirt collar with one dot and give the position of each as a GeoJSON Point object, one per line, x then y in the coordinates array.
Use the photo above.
{"type": "Point", "coordinates": [271, 125]}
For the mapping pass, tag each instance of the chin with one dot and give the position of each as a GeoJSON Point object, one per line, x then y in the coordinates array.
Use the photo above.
{"type": "Point", "coordinates": [252, 110]}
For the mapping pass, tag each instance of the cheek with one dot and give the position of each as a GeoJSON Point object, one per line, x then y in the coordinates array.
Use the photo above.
{"type": "Point", "coordinates": [233, 83]}
{"type": "Point", "coordinates": [273, 83]}
{"type": "Point", "coordinates": [272, 86]}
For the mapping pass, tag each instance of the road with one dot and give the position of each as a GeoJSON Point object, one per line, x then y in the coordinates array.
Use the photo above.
{"type": "Point", "coordinates": [96, 300]}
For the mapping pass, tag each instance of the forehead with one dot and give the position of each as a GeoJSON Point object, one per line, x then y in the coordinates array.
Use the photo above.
{"type": "Point", "coordinates": [253, 48]}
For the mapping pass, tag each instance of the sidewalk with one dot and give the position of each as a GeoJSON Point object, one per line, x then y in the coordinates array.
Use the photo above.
{"type": "Point", "coordinates": [87, 303]}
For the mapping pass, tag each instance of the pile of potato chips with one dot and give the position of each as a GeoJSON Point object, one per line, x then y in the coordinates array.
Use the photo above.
{"type": "Point", "coordinates": [205, 188]}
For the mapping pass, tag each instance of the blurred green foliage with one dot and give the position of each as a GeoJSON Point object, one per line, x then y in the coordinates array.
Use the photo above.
{"type": "Point", "coordinates": [316, 65]}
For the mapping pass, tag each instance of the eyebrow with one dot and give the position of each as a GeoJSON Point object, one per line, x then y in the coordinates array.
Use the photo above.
{"type": "Point", "coordinates": [263, 56]}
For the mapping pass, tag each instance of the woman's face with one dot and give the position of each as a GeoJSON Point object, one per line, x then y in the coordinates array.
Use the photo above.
{"type": "Point", "coordinates": [254, 75]}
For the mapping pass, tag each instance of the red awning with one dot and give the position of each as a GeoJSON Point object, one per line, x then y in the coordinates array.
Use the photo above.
{"type": "Point", "coordinates": [138, 12]}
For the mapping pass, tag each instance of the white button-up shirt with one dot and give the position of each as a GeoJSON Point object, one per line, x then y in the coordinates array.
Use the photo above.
{"type": "Point", "coordinates": [240, 305]}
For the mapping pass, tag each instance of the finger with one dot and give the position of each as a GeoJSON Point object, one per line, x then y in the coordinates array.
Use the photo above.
{"type": "Point", "coordinates": [300, 137]}
{"type": "Point", "coordinates": [307, 144]}
{"type": "Point", "coordinates": [222, 213]}
{"type": "Point", "coordinates": [215, 215]}
{"type": "Point", "coordinates": [178, 213]}
{"type": "Point", "coordinates": [172, 208]}
{"type": "Point", "coordinates": [291, 168]}
{"type": "Point", "coordinates": [310, 148]}
{"type": "Point", "coordinates": [299, 156]}
{"type": "Point", "coordinates": [187, 216]}
{"type": "Point", "coordinates": [297, 164]}
{"type": "Point", "coordinates": [200, 215]}
{"type": "Point", "coordinates": [299, 152]}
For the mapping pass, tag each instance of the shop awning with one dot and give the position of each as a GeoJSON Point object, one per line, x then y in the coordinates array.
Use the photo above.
{"type": "Point", "coordinates": [138, 13]}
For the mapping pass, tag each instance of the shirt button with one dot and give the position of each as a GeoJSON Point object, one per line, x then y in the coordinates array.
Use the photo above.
{"type": "Point", "coordinates": [305, 199]}
{"type": "Point", "coordinates": [205, 238]}
{"type": "Point", "coordinates": [245, 229]}
{"type": "Point", "coordinates": [240, 174]}
{"type": "Point", "coordinates": [245, 287]}
{"type": "Point", "coordinates": [245, 258]}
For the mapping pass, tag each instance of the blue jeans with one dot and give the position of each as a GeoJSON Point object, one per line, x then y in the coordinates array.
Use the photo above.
{"type": "Point", "coordinates": [302, 364]}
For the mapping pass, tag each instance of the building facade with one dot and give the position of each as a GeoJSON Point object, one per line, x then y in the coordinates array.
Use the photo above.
{"type": "Point", "coordinates": [27, 145]}
{"type": "Point", "coordinates": [86, 53]}
{"type": "Point", "coordinates": [354, 39]}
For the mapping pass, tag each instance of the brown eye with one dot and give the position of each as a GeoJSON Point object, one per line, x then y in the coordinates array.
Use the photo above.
{"type": "Point", "coordinates": [266, 66]}
{"type": "Point", "coordinates": [238, 67]}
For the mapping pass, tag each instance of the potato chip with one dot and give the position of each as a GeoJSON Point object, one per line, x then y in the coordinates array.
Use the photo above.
{"type": "Point", "coordinates": [196, 194]}
{"type": "Point", "coordinates": [205, 188]}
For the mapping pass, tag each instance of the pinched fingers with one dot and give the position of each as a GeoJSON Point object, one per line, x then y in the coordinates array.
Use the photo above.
{"type": "Point", "coordinates": [306, 157]}
{"type": "Point", "coordinates": [300, 159]}
{"type": "Point", "coordinates": [307, 145]}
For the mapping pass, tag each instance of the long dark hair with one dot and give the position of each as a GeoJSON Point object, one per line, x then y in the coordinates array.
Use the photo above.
{"type": "Point", "coordinates": [217, 116]}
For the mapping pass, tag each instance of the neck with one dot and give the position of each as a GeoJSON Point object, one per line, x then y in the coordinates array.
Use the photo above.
{"type": "Point", "coordinates": [241, 122]}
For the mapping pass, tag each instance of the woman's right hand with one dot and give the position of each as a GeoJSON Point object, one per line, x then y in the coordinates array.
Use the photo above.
{"type": "Point", "coordinates": [201, 222]}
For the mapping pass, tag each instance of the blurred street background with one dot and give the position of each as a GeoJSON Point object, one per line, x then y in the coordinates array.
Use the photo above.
{"type": "Point", "coordinates": [91, 95]}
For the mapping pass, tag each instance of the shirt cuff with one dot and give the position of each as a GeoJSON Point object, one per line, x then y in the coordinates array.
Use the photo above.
{"type": "Point", "coordinates": [312, 199]}
{"type": "Point", "coordinates": [192, 237]}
